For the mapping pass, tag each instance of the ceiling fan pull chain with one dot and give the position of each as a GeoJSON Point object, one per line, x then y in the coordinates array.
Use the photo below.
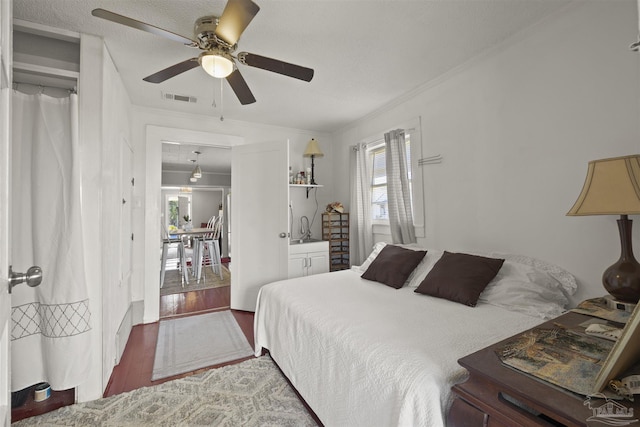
{"type": "Point", "coordinates": [213, 92]}
{"type": "Point", "coordinates": [221, 103]}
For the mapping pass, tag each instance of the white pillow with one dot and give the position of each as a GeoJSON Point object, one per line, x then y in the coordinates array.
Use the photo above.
{"type": "Point", "coordinates": [526, 289]}
{"type": "Point", "coordinates": [567, 280]}
{"type": "Point", "coordinates": [367, 262]}
{"type": "Point", "coordinates": [425, 266]}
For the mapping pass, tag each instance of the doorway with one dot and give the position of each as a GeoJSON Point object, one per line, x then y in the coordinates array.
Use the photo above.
{"type": "Point", "coordinates": [192, 202]}
{"type": "Point", "coordinates": [157, 138]}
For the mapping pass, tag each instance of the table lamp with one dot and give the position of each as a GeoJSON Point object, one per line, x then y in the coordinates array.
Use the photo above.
{"type": "Point", "coordinates": [612, 187]}
{"type": "Point", "coordinates": [312, 151]}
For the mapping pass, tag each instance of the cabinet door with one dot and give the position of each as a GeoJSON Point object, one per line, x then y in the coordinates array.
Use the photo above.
{"type": "Point", "coordinates": [319, 262]}
{"type": "Point", "coordinates": [297, 265]}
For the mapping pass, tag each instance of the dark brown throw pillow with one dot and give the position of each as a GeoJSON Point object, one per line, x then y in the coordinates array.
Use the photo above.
{"type": "Point", "coordinates": [460, 277]}
{"type": "Point", "coordinates": [393, 265]}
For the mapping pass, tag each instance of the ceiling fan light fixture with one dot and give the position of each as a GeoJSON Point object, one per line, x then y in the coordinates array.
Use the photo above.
{"type": "Point", "coordinates": [216, 63]}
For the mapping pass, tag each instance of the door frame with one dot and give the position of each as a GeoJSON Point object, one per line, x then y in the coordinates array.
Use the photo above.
{"type": "Point", "coordinates": [6, 45]}
{"type": "Point", "coordinates": [154, 205]}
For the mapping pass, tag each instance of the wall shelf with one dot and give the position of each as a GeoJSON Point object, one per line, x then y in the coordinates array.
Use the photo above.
{"type": "Point", "coordinates": [307, 186]}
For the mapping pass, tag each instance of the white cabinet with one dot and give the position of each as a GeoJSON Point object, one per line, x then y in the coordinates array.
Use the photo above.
{"type": "Point", "coordinates": [308, 258]}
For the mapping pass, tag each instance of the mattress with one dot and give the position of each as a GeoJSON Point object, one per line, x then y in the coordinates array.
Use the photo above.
{"type": "Point", "coordinates": [361, 353]}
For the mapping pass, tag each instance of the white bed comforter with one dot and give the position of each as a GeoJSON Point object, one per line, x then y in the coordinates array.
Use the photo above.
{"type": "Point", "coordinates": [364, 354]}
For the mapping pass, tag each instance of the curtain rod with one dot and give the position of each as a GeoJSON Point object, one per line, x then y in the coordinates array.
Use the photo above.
{"type": "Point", "coordinates": [365, 144]}
{"type": "Point", "coordinates": [42, 87]}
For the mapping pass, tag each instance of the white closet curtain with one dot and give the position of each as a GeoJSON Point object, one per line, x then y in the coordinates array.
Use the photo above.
{"type": "Point", "coordinates": [398, 188]}
{"type": "Point", "coordinates": [50, 339]}
{"type": "Point", "coordinates": [361, 228]}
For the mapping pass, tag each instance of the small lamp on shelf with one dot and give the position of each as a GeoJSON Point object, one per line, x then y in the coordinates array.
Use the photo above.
{"type": "Point", "coordinates": [612, 187]}
{"type": "Point", "coordinates": [313, 151]}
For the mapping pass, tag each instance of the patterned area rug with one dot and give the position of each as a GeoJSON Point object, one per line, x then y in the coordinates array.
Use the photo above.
{"type": "Point", "coordinates": [173, 281]}
{"type": "Point", "coordinates": [193, 342]}
{"type": "Point", "coordinates": [251, 393]}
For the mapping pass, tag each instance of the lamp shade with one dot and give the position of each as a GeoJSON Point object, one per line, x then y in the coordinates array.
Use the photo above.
{"type": "Point", "coordinates": [612, 187]}
{"type": "Point", "coordinates": [313, 149]}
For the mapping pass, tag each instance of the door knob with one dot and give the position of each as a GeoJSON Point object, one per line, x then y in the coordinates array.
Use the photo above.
{"type": "Point", "coordinates": [33, 277]}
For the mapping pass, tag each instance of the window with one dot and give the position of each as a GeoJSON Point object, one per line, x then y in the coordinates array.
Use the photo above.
{"type": "Point", "coordinates": [177, 206]}
{"type": "Point", "coordinates": [379, 203]}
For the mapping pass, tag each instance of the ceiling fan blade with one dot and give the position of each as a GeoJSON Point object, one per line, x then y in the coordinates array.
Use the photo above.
{"type": "Point", "coordinates": [280, 67]}
{"type": "Point", "coordinates": [235, 19]}
{"type": "Point", "coordinates": [172, 71]}
{"type": "Point", "coordinates": [139, 25]}
{"type": "Point", "coordinates": [240, 88]}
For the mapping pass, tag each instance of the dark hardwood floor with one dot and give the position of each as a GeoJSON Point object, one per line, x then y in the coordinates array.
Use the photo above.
{"type": "Point", "coordinates": [136, 365]}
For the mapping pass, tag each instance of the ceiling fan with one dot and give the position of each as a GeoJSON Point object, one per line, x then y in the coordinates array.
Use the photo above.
{"type": "Point", "coordinates": [217, 38]}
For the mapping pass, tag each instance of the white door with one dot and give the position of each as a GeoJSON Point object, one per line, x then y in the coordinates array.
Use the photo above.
{"type": "Point", "coordinates": [126, 219]}
{"type": "Point", "coordinates": [259, 181]}
{"type": "Point", "coordinates": [5, 173]}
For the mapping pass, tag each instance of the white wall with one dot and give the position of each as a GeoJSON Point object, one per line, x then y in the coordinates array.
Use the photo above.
{"type": "Point", "coordinates": [516, 128]}
{"type": "Point", "coordinates": [89, 121]}
{"type": "Point", "coordinates": [312, 206]}
{"type": "Point", "coordinates": [102, 100]}
{"type": "Point", "coordinates": [209, 179]}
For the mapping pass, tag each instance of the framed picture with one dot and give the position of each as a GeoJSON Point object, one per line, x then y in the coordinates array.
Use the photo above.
{"type": "Point", "coordinates": [624, 354]}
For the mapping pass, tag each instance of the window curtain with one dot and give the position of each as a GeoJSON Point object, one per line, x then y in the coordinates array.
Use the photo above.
{"type": "Point", "coordinates": [398, 189]}
{"type": "Point", "coordinates": [636, 45]}
{"type": "Point", "coordinates": [361, 228]}
{"type": "Point", "coordinates": [50, 331]}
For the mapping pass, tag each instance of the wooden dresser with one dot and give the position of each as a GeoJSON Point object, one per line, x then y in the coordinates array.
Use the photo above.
{"type": "Point", "coordinates": [487, 397]}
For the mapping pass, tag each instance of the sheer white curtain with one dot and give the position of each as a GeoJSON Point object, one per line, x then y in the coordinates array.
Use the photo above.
{"type": "Point", "coordinates": [398, 188]}
{"type": "Point", "coordinates": [361, 228]}
{"type": "Point", "coordinates": [50, 339]}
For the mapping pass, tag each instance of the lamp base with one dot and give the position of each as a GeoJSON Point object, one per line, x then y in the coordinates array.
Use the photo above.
{"type": "Point", "coordinates": [619, 305]}
{"type": "Point", "coordinates": [622, 279]}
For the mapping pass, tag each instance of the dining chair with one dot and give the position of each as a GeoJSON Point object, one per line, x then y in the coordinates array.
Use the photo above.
{"type": "Point", "coordinates": [208, 252]}
{"type": "Point", "coordinates": [169, 242]}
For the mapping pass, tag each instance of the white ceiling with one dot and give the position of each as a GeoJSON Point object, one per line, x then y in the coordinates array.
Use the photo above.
{"type": "Point", "coordinates": [177, 157]}
{"type": "Point", "coordinates": [365, 53]}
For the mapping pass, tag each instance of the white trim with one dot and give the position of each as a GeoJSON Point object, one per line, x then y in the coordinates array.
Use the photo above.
{"type": "Point", "coordinates": [46, 31]}
{"type": "Point", "coordinates": [42, 69]}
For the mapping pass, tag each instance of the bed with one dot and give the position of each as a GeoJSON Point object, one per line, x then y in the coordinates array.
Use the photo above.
{"type": "Point", "coordinates": [363, 353]}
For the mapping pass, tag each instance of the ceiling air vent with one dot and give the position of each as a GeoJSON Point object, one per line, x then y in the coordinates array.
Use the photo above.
{"type": "Point", "coordinates": [181, 98]}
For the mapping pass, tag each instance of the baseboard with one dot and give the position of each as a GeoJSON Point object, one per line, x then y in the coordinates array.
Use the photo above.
{"type": "Point", "coordinates": [133, 316]}
{"type": "Point", "coordinates": [137, 310]}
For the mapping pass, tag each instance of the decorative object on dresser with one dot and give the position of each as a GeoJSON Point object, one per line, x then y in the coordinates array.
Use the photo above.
{"type": "Point", "coordinates": [612, 187]}
{"type": "Point", "coordinates": [313, 151]}
{"type": "Point", "coordinates": [496, 394]}
{"type": "Point", "coordinates": [335, 229]}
